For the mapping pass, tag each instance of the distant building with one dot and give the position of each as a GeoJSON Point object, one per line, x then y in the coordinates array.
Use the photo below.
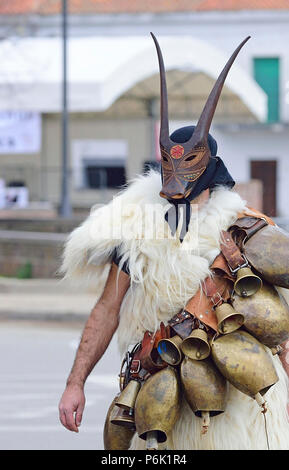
{"type": "Point", "coordinates": [114, 90]}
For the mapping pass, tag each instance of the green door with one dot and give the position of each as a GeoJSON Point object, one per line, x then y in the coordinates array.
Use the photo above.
{"type": "Point", "coordinates": [266, 74]}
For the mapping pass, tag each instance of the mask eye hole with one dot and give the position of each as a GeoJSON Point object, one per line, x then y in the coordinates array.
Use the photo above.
{"type": "Point", "coordinates": [165, 159]}
{"type": "Point", "coordinates": [191, 157]}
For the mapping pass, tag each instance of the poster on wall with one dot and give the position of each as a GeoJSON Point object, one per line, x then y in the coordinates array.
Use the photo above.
{"type": "Point", "coordinates": [20, 132]}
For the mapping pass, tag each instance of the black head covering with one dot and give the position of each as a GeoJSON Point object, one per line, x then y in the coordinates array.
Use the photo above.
{"type": "Point", "coordinates": [185, 133]}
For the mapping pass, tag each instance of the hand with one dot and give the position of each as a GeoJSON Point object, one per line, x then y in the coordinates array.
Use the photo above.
{"type": "Point", "coordinates": [71, 407]}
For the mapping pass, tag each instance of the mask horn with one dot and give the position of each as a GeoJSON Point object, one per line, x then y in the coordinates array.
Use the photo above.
{"type": "Point", "coordinates": [202, 129]}
{"type": "Point", "coordinates": [164, 127]}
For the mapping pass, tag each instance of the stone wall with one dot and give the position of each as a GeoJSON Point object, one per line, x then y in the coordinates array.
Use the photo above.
{"type": "Point", "coordinates": [41, 251]}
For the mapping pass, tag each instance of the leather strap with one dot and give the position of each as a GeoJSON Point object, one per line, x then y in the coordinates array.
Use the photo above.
{"type": "Point", "coordinates": [182, 324]}
{"type": "Point", "coordinates": [214, 291]}
{"type": "Point", "coordinates": [245, 227]}
{"type": "Point", "coordinates": [248, 223]}
{"type": "Point", "coordinates": [221, 269]}
{"type": "Point", "coordinates": [148, 355]}
{"type": "Point", "coordinates": [231, 251]}
{"type": "Point", "coordinates": [250, 212]}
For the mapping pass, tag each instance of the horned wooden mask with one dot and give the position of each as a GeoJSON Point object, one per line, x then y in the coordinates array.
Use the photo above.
{"type": "Point", "coordinates": [182, 164]}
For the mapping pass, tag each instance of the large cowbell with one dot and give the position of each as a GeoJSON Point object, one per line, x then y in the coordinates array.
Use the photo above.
{"type": "Point", "coordinates": [204, 387]}
{"type": "Point", "coordinates": [157, 405]}
{"type": "Point", "coordinates": [116, 437]}
{"type": "Point", "coordinates": [266, 315]}
{"type": "Point", "coordinates": [268, 252]}
{"type": "Point", "coordinates": [242, 359]}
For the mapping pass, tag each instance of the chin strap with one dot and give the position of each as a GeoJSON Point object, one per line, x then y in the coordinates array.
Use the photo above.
{"type": "Point", "coordinates": [172, 216]}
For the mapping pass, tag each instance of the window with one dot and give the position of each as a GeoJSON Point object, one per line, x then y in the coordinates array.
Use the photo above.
{"type": "Point", "coordinates": [266, 74]}
{"type": "Point", "coordinates": [98, 163]}
{"type": "Point", "coordinates": [104, 173]}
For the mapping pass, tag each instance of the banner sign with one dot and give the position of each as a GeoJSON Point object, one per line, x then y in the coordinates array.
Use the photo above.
{"type": "Point", "coordinates": [20, 132]}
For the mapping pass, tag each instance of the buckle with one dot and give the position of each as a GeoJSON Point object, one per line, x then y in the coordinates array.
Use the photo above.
{"type": "Point", "coordinates": [244, 265]}
{"type": "Point", "coordinates": [135, 366]}
{"type": "Point", "coordinates": [219, 299]}
{"type": "Point", "coordinates": [186, 314]}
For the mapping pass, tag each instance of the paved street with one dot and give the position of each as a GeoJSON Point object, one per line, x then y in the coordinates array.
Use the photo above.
{"type": "Point", "coordinates": [35, 361]}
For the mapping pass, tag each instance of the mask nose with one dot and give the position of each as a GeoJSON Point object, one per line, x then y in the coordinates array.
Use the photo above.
{"type": "Point", "coordinates": [172, 190]}
{"type": "Point", "coordinates": [168, 195]}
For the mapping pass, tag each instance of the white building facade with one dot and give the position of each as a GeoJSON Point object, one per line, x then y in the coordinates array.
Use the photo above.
{"type": "Point", "coordinates": [112, 65]}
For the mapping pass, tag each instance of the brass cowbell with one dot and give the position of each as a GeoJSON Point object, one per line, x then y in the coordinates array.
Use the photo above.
{"type": "Point", "coordinates": [196, 346]}
{"type": "Point", "coordinates": [127, 398]}
{"type": "Point", "coordinates": [243, 360]}
{"type": "Point", "coordinates": [228, 319]}
{"type": "Point", "coordinates": [123, 417]}
{"type": "Point", "coordinates": [157, 406]}
{"type": "Point", "coordinates": [247, 283]}
{"type": "Point", "coordinates": [205, 389]}
{"type": "Point", "coordinates": [169, 350]}
{"type": "Point", "coordinates": [114, 437]}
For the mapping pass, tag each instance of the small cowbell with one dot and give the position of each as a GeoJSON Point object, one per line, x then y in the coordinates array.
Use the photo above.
{"type": "Point", "coordinates": [228, 319]}
{"type": "Point", "coordinates": [169, 350]}
{"type": "Point", "coordinates": [127, 398]}
{"type": "Point", "coordinates": [205, 389]}
{"type": "Point", "coordinates": [157, 407]}
{"type": "Point", "coordinates": [122, 417]}
{"type": "Point", "coordinates": [242, 359]}
{"type": "Point", "coordinates": [114, 437]}
{"type": "Point", "coordinates": [247, 283]}
{"type": "Point", "coordinates": [196, 346]}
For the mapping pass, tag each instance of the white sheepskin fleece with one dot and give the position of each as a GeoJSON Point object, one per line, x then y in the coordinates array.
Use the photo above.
{"type": "Point", "coordinates": [165, 274]}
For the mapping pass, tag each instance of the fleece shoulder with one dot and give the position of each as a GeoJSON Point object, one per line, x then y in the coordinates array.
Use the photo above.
{"type": "Point", "coordinates": [90, 246]}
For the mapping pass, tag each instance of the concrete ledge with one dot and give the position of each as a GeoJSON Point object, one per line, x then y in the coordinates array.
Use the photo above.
{"type": "Point", "coordinates": [39, 299]}
{"type": "Point", "coordinates": [31, 286]}
{"type": "Point", "coordinates": [65, 317]}
{"type": "Point", "coordinates": [55, 225]}
{"type": "Point", "coordinates": [31, 237]}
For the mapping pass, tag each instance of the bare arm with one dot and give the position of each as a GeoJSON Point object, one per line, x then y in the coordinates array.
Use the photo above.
{"type": "Point", "coordinates": [96, 336]}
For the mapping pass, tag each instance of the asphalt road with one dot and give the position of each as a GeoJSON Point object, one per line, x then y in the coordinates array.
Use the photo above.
{"type": "Point", "coordinates": [35, 360]}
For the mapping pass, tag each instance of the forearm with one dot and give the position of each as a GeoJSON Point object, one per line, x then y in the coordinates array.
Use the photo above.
{"type": "Point", "coordinates": [95, 339]}
{"type": "Point", "coordinates": [100, 327]}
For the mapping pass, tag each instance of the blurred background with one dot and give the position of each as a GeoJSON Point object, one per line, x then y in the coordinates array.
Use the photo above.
{"type": "Point", "coordinates": [79, 117]}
